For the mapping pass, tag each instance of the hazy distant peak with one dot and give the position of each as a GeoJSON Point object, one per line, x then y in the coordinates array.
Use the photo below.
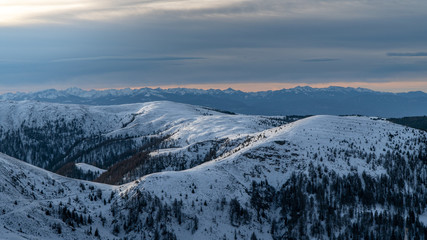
{"type": "Point", "coordinates": [301, 100]}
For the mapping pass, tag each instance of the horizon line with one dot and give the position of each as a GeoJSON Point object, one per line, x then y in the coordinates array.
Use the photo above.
{"type": "Point", "coordinates": [392, 87]}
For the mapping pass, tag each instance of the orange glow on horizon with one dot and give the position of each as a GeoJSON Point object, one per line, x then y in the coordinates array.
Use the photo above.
{"type": "Point", "coordinates": [255, 87]}
{"type": "Point", "coordinates": [398, 86]}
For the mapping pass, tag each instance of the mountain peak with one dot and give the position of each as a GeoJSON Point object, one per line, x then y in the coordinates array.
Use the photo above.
{"type": "Point", "coordinates": [301, 100]}
{"type": "Point", "coordinates": [191, 172]}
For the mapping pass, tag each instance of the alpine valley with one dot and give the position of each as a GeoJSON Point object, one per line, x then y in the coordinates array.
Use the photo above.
{"type": "Point", "coordinates": [168, 170]}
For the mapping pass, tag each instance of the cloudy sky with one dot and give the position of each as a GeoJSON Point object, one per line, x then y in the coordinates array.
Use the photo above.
{"type": "Point", "coordinates": [245, 44]}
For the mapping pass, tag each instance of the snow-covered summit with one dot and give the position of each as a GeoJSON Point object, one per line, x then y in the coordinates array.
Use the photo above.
{"type": "Point", "coordinates": [220, 197]}
{"type": "Point", "coordinates": [55, 134]}
{"type": "Point", "coordinates": [347, 146]}
{"type": "Point", "coordinates": [340, 143]}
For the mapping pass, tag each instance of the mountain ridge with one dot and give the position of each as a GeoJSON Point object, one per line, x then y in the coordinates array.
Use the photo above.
{"type": "Point", "coordinates": [52, 135]}
{"type": "Point", "coordinates": [295, 101]}
{"type": "Point", "coordinates": [319, 177]}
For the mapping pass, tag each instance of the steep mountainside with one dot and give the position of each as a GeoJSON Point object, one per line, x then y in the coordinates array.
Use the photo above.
{"type": "Point", "coordinates": [322, 177]}
{"type": "Point", "coordinates": [295, 101]}
{"type": "Point", "coordinates": [56, 136]}
{"type": "Point", "coordinates": [313, 178]}
{"type": "Point", "coordinates": [36, 204]}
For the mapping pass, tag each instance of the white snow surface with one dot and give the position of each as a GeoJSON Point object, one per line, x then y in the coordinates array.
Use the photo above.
{"type": "Point", "coordinates": [268, 154]}
{"type": "Point", "coordinates": [26, 192]}
{"type": "Point", "coordinates": [181, 125]}
{"type": "Point", "coordinates": [185, 123]}
{"type": "Point", "coordinates": [84, 167]}
{"type": "Point", "coordinates": [273, 155]}
{"type": "Point", "coordinates": [265, 159]}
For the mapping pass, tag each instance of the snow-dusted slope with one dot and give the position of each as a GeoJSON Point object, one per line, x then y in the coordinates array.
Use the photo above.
{"type": "Point", "coordinates": [87, 168]}
{"type": "Point", "coordinates": [220, 198]}
{"type": "Point", "coordinates": [345, 145]}
{"type": "Point", "coordinates": [32, 201]}
{"type": "Point", "coordinates": [132, 119]}
{"type": "Point", "coordinates": [52, 135]}
{"type": "Point", "coordinates": [339, 143]}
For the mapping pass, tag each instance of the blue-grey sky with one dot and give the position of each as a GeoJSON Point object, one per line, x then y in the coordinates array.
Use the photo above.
{"type": "Point", "coordinates": [381, 44]}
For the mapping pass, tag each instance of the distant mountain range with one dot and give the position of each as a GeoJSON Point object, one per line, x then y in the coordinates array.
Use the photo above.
{"type": "Point", "coordinates": [295, 101]}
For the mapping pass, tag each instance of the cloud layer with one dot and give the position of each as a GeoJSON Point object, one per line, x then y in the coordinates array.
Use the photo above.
{"type": "Point", "coordinates": [414, 54]}
{"type": "Point", "coordinates": [111, 43]}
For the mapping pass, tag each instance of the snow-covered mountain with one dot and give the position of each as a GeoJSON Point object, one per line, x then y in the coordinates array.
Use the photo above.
{"type": "Point", "coordinates": [36, 204]}
{"type": "Point", "coordinates": [295, 101]}
{"type": "Point", "coordinates": [322, 177]}
{"type": "Point", "coordinates": [55, 136]}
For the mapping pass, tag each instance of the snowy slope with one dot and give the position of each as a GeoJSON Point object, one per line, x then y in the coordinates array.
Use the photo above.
{"type": "Point", "coordinates": [143, 118]}
{"type": "Point", "coordinates": [89, 168]}
{"type": "Point", "coordinates": [146, 208]}
{"type": "Point", "coordinates": [30, 198]}
{"type": "Point", "coordinates": [51, 135]}
{"type": "Point", "coordinates": [162, 115]}
{"type": "Point", "coordinates": [273, 155]}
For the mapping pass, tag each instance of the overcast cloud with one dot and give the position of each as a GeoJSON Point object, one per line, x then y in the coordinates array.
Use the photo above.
{"type": "Point", "coordinates": [109, 44]}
